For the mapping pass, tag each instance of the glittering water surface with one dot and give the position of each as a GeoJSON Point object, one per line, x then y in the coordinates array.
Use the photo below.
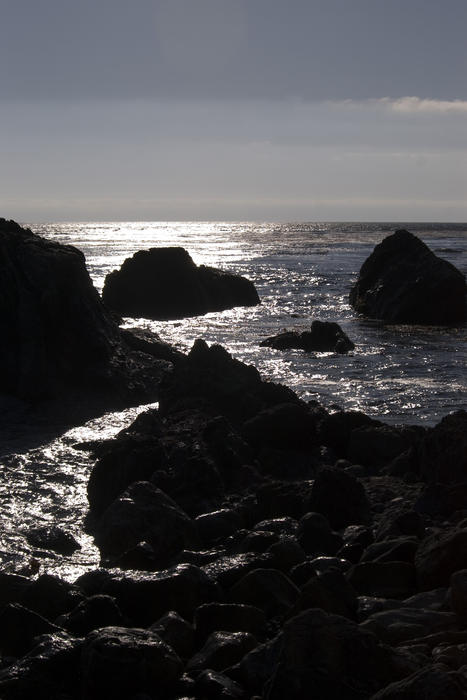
{"type": "Point", "coordinates": [302, 272]}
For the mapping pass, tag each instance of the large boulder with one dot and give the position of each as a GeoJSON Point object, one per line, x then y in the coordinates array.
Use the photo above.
{"type": "Point", "coordinates": [403, 281]}
{"type": "Point", "coordinates": [165, 283]}
{"type": "Point", "coordinates": [323, 336]}
{"type": "Point", "coordinates": [58, 340]}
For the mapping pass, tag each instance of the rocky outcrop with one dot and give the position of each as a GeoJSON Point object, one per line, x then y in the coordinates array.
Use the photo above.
{"type": "Point", "coordinates": [403, 281]}
{"type": "Point", "coordinates": [324, 336]}
{"type": "Point", "coordinates": [165, 283]}
{"type": "Point", "coordinates": [58, 340]}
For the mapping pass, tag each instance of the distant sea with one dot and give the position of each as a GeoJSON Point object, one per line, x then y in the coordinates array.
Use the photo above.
{"type": "Point", "coordinates": [302, 271]}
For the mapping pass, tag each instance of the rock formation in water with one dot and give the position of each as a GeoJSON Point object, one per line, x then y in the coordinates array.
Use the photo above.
{"type": "Point", "coordinates": [403, 281]}
{"type": "Point", "coordinates": [323, 336]}
{"type": "Point", "coordinates": [58, 339]}
{"type": "Point", "coordinates": [165, 283]}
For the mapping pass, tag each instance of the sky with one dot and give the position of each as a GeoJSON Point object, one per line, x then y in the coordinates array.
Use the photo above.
{"type": "Point", "coordinates": [233, 109]}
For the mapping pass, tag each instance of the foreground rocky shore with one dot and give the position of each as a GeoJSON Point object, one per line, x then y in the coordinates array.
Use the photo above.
{"type": "Point", "coordinates": [256, 546]}
{"type": "Point", "coordinates": [253, 545]}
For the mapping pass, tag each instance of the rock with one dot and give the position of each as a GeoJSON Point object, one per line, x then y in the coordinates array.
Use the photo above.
{"type": "Point", "coordinates": [439, 556]}
{"type": "Point", "coordinates": [216, 686]}
{"type": "Point", "coordinates": [227, 570]}
{"type": "Point", "coordinates": [217, 525]}
{"type": "Point", "coordinates": [49, 670]}
{"type": "Point", "coordinates": [221, 650]}
{"type": "Point", "coordinates": [459, 595]}
{"type": "Point", "coordinates": [399, 521]}
{"type": "Point", "coordinates": [229, 617]}
{"type": "Point", "coordinates": [375, 446]}
{"type": "Point", "coordinates": [399, 625]}
{"type": "Point", "coordinates": [165, 283]}
{"type": "Point", "coordinates": [176, 632]}
{"type": "Point", "coordinates": [18, 627]}
{"type": "Point", "coordinates": [335, 429]}
{"type": "Point", "coordinates": [210, 378]}
{"type": "Point", "coordinates": [315, 535]}
{"type": "Point", "coordinates": [398, 549]}
{"type": "Point", "coordinates": [59, 341]}
{"type": "Point", "coordinates": [324, 336]}
{"type": "Point", "coordinates": [334, 657]}
{"type": "Point", "coordinates": [442, 454]}
{"type": "Point", "coordinates": [285, 426]}
{"type": "Point", "coordinates": [267, 589]}
{"type": "Point", "coordinates": [145, 597]}
{"type": "Point", "coordinates": [429, 683]}
{"type": "Point", "coordinates": [393, 579]}
{"type": "Point", "coordinates": [404, 282]}
{"type": "Point", "coordinates": [341, 498]}
{"type": "Point", "coordinates": [257, 666]}
{"type": "Point", "coordinates": [286, 553]}
{"type": "Point", "coordinates": [54, 538]}
{"type": "Point", "coordinates": [12, 588]}
{"type": "Point", "coordinates": [90, 614]}
{"type": "Point", "coordinates": [144, 513]}
{"type": "Point", "coordinates": [282, 498]}
{"type": "Point", "coordinates": [120, 662]}
{"type": "Point", "coordinates": [50, 596]}
{"type": "Point", "coordinates": [330, 592]}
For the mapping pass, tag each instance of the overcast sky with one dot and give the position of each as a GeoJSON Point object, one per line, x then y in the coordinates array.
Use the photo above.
{"type": "Point", "coordinates": [233, 109]}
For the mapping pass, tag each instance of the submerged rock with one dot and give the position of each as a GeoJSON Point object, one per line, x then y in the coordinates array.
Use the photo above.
{"type": "Point", "coordinates": [324, 336]}
{"type": "Point", "coordinates": [403, 281]}
{"type": "Point", "coordinates": [165, 283]}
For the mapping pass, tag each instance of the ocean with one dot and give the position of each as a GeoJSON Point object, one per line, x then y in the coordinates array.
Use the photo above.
{"type": "Point", "coordinates": [303, 272]}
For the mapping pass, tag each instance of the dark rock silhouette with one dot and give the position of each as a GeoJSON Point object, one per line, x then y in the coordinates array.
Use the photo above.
{"type": "Point", "coordinates": [165, 283]}
{"type": "Point", "coordinates": [324, 336]}
{"type": "Point", "coordinates": [403, 281]}
{"type": "Point", "coordinates": [58, 340]}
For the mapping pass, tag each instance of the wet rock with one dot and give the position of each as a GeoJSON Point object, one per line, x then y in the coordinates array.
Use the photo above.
{"type": "Point", "coordinates": [403, 281]}
{"type": "Point", "coordinates": [282, 526]}
{"type": "Point", "coordinates": [257, 667]}
{"type": "Point", "coordinates": [221, 650]}
{"type": "Point", "coordinates": [439, 556]}
{"type": "Point", "coordinates": [212, 379]}
{"type": "Point", "coordinates": [279, 498]}
{"type": "Point", "coordinates": [216, 686]}
{"type": "Point", "coordinates": [334, 657]}
{"type": "Point", "coordinates": [49, 670]}
{"type": "Point", "coordinates": [430, 683]}
{"type": "Point", "coordinates": [217, 525]}
{"type": "Point", "coordinates": [335, 429]}
{"type": "Point", "coordinates": [165, 283]}
{"type": "Point", "coordinates": [323, 564]}
{"type": "Point", "coordinates": [315, 535]}
{"type": "Point", "coordinates": [442, 454]}
{"type": "Point", "coordinates": [144, 598]}
{"type": "Point", "coordinates": [286, 553]}
{"type": "Point", "coordinates": [120, 662]}
{"type": "Point", "coordinates": [229, 569]}
{"type": "Point", "coordinates": [399, 549]}
{"type": "Point", "coordinates": [229, 617]}
{"type": "Point", "coordinates": [267, 589]}
{"type": "Point", "coordinates": [393, 579]}
{"type": "Point", "coordinates": [144, 513]}
{"type": "Point", "coordinates": [90, 614]}
{"type": "Point", "coordinates": [323, 336]}
{"type": "Point", "coordinates": [176, 632]}
{"type": "Point", "coordinates": [258, 541]}
{"type": "Point", "coordinates": [285, 426]}
{"type": "Point", "coordinates": [459, 595]}
{"type": "Point", "coordinates": [399, 625]}
{"type": "Point", "coordinates": [331, 592]}
{"type": "Point", "coordinates": [50, 596]}
{"type": "Point", "coordinates": [54, 538]}
{"type": "Point", "coordinates": [18, 627]}
{"type": "Point", "coordinates": [341, 498]}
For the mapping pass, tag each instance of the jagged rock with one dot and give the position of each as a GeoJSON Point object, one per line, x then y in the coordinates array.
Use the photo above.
{"type": "Point", "coordinates": [403, 281]}
{"type": "Point", "coordinates": [165, 283]}
{"type": "Point", "coordinates": [332, 657]}
{"type": "Point", "coordinates": [120, 662]}
{"type": "Point", "coordinates": [324, 336]}
{"type": "Point", "coordinates": [144, 513]}
{"type": "Point", "coordinates": [58, 339]}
